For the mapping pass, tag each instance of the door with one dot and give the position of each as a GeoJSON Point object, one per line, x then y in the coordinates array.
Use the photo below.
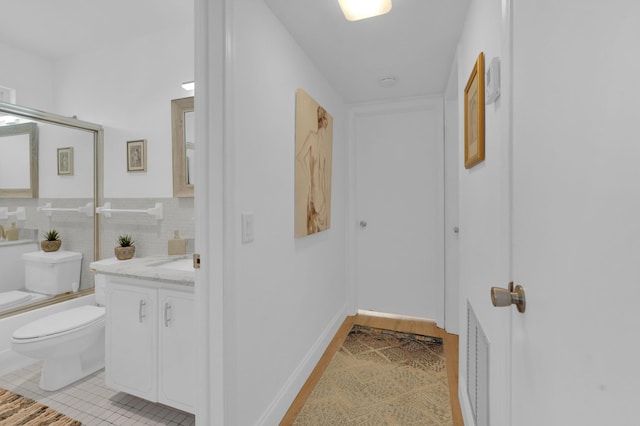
{"type": "Point", "coordinates": [131, 343]}
{"type": "Point", "coordinates": [576, 207]}
{"type": "Point", "coordinates": [399, 208]}
{"type": "Point", "coordinates": [177, 359]}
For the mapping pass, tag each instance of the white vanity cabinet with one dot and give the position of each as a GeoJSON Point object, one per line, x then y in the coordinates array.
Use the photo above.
{"type": "Point", "coordinates": [150, 341]}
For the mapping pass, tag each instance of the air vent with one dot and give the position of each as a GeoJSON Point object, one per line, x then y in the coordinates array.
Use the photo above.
{"type": "Point", "coordinates": [477, 369]}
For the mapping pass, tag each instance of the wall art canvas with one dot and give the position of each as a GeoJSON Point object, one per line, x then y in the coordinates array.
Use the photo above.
{"type": "Point", "coordinates": [314, 141]}
{"type": "Point", "coordinates": [137, 156]}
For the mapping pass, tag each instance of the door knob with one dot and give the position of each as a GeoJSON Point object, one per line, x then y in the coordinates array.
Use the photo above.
{"type": "Point", "coordinates": [508, 296]}
{"type": "Point", "coordinates": [363, 224]}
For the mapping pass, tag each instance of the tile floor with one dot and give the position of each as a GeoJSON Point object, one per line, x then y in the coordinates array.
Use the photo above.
{"type": "Point", "coordinates": [92, 403]}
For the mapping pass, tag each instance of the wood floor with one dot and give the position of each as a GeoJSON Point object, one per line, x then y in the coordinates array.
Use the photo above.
{"type": "Point", "coordinates": [388, 322]}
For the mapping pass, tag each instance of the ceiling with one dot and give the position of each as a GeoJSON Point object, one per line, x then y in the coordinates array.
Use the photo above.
{"type": "Point", "coordinates": [415, 43]}
{"type": "Point", "coordinates": [64, 28]}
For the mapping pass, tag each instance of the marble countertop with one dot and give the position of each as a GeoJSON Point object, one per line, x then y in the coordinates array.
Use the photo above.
{"type": "Point", "coordinates": [168, 269]}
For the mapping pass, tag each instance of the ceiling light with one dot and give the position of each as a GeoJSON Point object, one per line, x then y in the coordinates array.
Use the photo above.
{"type": "Point", "coordinates": [360, 9]}
{"type": "Point", "coordinates": [189, 85]}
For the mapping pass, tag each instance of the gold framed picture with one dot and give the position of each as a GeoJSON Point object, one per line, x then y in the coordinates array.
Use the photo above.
{"type": "Point", "coordinates": [137, 156]}
{"type": "Point", "coordinates": [474, 115]}
{"type": "Point", "coordinates": [65, 161]}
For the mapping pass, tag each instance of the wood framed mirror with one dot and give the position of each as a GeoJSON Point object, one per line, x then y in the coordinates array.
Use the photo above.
{"type": "Point", "coordinates": [183, 142]}
{"type": "Point", "coordinates": [19, 161]}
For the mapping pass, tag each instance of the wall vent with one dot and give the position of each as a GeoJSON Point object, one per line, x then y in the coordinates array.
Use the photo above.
{"type": "Point", "coordinates": [477, 369]}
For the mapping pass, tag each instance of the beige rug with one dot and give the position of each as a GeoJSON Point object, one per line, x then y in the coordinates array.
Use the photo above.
{"type": "Point", "coordinates": [381, 377]}
{"type": "Point", "coordinates": [17, 410]}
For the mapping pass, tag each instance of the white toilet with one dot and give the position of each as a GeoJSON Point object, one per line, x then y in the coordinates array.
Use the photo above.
{"type": "Point", "coordinates": [70, 342]}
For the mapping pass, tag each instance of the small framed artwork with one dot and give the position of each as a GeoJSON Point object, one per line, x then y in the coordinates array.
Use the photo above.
{"type": "Point", "coordinates": [137, 156]}
{"type": "Point", "coordinates": [474, 115]}
{"type": "Point", "coordinates": [65, 161]}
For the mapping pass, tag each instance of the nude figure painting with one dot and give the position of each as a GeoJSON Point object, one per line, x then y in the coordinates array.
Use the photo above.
{"type": "Point", "coordinates": [314, 140]}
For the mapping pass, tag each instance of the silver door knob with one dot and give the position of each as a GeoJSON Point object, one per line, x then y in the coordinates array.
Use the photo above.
{"type": "Point", "coordinates": [363, 224]}
{"type": "Point", "coordinates": [508, 296]}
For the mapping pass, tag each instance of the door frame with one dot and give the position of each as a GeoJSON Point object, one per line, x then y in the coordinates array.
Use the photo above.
{"type": "Point", "coordinates": [491, 321]}
{"type": "Point", "coordinates": [352, 226]}
{"type": "Point", "coordinates": [212, 38]}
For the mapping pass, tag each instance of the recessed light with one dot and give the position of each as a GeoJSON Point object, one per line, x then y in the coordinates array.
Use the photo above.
{"type": "Point", "coordinates": [355, 10]}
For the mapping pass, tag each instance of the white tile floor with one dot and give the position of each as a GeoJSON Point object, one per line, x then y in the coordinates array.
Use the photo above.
{"type": "Point", "coordinates": [92, 403]}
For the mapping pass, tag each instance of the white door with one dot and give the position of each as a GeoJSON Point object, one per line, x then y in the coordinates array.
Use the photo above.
{"type": "Point", "coordinates": [177, 354]}
{"type": "Point", "coordinates": [576, 211]}
{"type": "Point", "coordinates": [399, 208]}
{"type": "Point", "coordinates": [131, 342]}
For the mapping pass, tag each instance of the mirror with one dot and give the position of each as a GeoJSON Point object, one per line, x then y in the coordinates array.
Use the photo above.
{"type": "Point", "coordinates": [19, 161]}
{"type": "Point", "coordinates": [183, 141]}
{"type": "Point", "coordinates": [63, 199]}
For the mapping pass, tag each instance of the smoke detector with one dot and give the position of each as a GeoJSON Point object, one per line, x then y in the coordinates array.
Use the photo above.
{"type": "Point", "coordinates": [387, 81]}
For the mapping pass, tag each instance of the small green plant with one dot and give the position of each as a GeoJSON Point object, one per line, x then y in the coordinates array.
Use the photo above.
{"type": "Point", "coordinates": [126, 240]}
{"type": "Point", "coordinates": [52, 235]}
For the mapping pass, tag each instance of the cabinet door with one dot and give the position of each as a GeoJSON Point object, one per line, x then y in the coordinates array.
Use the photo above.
{"type": "Point", "coordinates": [177, 356]}
{"type": "Point", "coordinates": [131, 342]}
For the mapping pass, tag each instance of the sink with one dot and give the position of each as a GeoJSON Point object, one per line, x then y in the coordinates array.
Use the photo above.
{"type": "Point", "coordinates": [182, 264]}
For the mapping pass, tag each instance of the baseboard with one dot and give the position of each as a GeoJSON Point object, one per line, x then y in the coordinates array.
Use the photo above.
{"type": "Point", "coordinates": [282, 401]}
{"type": "Point", "coordinates": [465, 404]}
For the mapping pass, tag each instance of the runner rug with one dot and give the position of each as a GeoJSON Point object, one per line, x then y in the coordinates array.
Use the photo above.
{"type": "Point", "coordinates": [381, 377]}
{"type": "Point", "coordinates": [17, 410]}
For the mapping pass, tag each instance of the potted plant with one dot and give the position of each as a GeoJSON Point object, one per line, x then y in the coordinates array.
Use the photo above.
{"type": "Point", "coordinates": [52, 241]}
{"type": "Point", "coordinates": [126, 247]}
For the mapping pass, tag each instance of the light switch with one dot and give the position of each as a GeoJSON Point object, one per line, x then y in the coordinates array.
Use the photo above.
{"type": "Point", "coordinates": [247, 227]}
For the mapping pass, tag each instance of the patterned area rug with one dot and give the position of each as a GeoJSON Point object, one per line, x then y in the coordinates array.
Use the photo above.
{"type": "Point", "coordinates": [17, 410]}
{"type": "Point", "coordinates": [381, 377]}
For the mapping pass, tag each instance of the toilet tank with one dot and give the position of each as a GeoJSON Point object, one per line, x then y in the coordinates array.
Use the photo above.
{"type": "Point", "coordinates": [11, 269]}
{"type": "Point", "coordinates": [53, 272]}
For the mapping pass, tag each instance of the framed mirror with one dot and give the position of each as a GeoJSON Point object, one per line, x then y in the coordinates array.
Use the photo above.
{"type": "Point", "coordinates": [19, 161]}
{"type": "Point", "coordinates": [183, 132]}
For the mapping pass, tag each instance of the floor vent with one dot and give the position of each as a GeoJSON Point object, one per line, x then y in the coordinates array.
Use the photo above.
{"type": "Point", "coordinates": [477, 369]}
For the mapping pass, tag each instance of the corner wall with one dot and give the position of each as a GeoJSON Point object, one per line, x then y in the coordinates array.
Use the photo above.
{"type": "Point", "coordinates": [284, 297]}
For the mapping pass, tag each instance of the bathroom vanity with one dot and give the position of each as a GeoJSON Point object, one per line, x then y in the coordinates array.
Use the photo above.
{"type": "Point", "coordinates": [150, 328]}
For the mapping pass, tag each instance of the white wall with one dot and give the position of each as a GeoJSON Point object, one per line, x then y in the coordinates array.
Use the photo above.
{"type": "Point", "coordinates": [30, 75]}
{"type": "Point", "coordinates": [51, 185]}
{"type": "Point", "coordinates": [484, 218]}
{"type": "Point", "coordinates": [284, 297]}
{"type": "Point", "coordinates": [128, 88]}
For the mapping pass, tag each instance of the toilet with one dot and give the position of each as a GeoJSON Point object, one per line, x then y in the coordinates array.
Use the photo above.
{"type": "Point", "coordinates": [71, 342]}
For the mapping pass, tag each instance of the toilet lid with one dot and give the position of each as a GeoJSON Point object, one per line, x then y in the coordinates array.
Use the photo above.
{"type": "Point", "coordinates": [60, 322]}
{"type": "Point", "coordinates": [14, 297]}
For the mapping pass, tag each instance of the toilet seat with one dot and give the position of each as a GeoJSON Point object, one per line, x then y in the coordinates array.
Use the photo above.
{"type": "Point", "coordinates": [60, 323]}
{"type": "Point", "coordinates": [12, 298]}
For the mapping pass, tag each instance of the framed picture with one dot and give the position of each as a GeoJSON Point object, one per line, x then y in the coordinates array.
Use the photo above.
{"type": "Point", "coordinates": [137, 156]}
{"type": "Point", "coordinates": [474, 115]}
{"type": "Point", "coordinates": [65, 161]}
{"type": "Point", "coordinates": [313, 165]}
